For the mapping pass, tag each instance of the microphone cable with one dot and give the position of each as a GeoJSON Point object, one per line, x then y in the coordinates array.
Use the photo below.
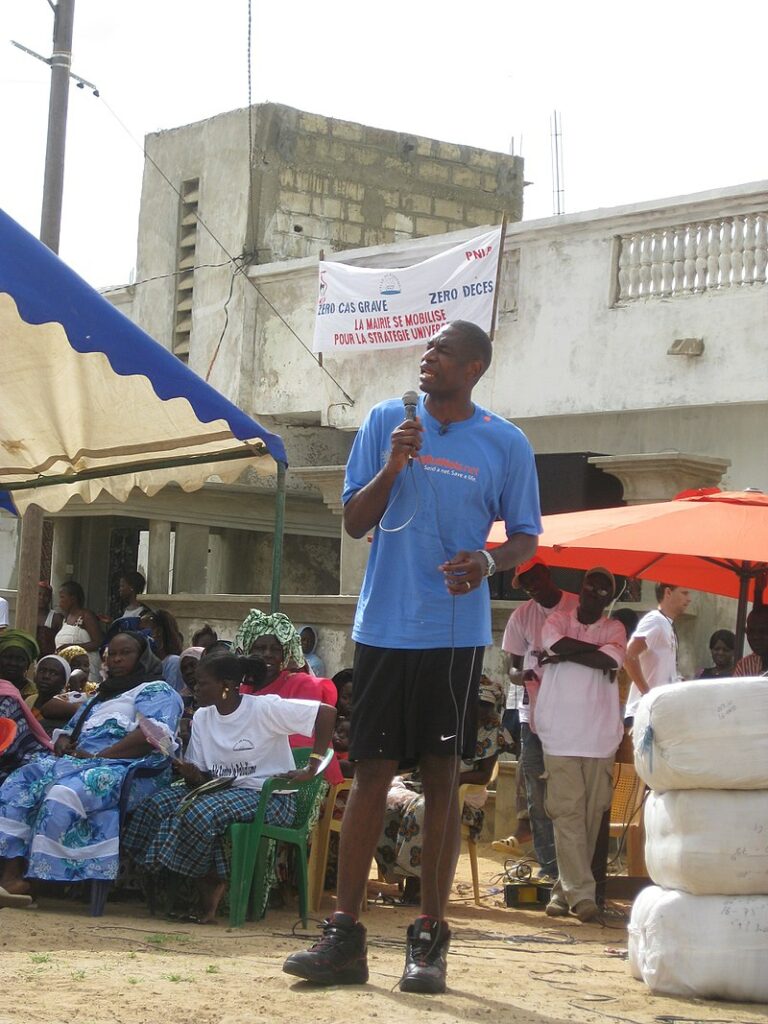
{"type": "Point", "coordinates": [391, 503]}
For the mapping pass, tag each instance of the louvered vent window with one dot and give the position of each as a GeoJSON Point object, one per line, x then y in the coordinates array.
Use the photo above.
{"type": "Point", "coordinates": [182, 326]}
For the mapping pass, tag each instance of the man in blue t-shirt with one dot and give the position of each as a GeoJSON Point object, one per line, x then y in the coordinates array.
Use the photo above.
{"type": "Point", "coordinates": [430, 487]}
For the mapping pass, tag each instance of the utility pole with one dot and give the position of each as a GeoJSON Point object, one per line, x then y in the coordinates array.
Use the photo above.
{"type": "Point", "coordinates": [53, 185]}
{"type": "Point", "coordinates": [50, 231]}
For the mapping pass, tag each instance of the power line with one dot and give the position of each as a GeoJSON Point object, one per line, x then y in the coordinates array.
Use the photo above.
{"type": "Point", "coordinates": [176, 273]}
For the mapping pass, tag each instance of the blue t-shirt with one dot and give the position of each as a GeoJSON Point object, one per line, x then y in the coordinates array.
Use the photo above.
{"type": "Point", "coordinates": [475, 472]}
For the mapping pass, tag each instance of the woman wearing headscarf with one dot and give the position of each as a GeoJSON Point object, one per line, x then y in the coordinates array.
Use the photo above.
{"type": "Point", "coordinates": [17, 652]}
{"type": "Point", "coordinates": [275, 640]}
{"type": "Point", "coordinates": [59, 814]}
{"type": "Point", "coordinates": [54, 704]}
{"type": "Point", "coordinates": [80, 666]}
{"type": "Point", "coordinates": [308, 635]}
{"type": "Point", "coordinates": [189, 663]}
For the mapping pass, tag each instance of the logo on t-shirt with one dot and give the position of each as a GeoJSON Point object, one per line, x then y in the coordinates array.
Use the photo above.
{"type": "Point", "coordinates": [448, 467]}
{"type": "Point", "coordinates": [243, 744]}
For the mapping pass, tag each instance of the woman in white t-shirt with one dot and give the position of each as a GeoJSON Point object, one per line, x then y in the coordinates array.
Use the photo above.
{"type": "Point", "coordinates": [234, 736]}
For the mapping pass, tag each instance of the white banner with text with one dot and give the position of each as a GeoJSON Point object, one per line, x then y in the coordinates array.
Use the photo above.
{"type": "Point", "coordinates": [360, 308]}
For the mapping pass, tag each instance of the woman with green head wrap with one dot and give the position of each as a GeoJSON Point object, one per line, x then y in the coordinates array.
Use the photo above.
{"type": "Point", "coordinates": [17, 652]}
{"type": "Point", "coordinates": [275, 640]}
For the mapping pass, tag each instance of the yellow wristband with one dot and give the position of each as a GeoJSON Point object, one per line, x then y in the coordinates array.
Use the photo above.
{"type": "Point", "coordinates": [315, 757]}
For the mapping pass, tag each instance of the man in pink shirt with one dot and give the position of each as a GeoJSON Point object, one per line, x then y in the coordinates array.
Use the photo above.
{"type": "Point", "coordinates": [522, 639]}
{"type": "Point", "coordinates": [579, 724]}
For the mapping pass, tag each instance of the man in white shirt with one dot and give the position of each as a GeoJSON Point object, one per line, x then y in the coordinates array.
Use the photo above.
{"type": "Point", "coordinates": [579, 724]}
{"type": "Point", "coordinates": [652, 653]}
{"type": "Point", "coordinates": [522, 639]}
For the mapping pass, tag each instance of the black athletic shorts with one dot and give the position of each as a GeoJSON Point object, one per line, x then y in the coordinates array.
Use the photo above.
{"type": "Point", "coordinates": [409, 703]}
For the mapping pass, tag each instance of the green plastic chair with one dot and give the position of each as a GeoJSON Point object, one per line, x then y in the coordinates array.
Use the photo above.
{"type": "Point", "coordinates": [251, 841]}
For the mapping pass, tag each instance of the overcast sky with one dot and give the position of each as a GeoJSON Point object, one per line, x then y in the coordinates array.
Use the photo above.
{"type": "Point", "coordinates": [657, 99]}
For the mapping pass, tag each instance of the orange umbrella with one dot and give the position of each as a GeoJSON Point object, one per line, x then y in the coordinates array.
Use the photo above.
{"type": "Point", "coordinates": [8, 730]}
{"type": "Point", "coordinates": [710, 540]}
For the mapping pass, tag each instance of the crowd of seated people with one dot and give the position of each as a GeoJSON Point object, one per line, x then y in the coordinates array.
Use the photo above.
{"type": "Point", "coordinates": [229, 711]}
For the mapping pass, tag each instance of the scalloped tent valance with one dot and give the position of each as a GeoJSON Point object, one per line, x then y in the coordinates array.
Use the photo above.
{"type": "Point", "coordinates": [91, 403]}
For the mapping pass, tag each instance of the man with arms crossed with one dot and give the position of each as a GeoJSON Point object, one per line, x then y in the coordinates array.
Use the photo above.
{"type": "Point", "coordinates": [579, 724]}
{"type": "Point", "coordinates": [652, 653]}
{"type": "Point", "coordinates": [431, 487]}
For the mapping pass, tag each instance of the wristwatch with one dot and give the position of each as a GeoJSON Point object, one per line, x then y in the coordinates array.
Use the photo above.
{"type": "Point", "coordinates": [491, 569]}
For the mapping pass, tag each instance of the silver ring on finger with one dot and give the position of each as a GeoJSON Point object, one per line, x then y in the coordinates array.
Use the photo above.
{"type": "Point", "coordinates": [467, 584]}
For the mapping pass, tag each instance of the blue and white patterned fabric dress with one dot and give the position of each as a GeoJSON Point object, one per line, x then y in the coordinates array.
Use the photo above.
{"type": "Point", "coordinates": [62, 813]}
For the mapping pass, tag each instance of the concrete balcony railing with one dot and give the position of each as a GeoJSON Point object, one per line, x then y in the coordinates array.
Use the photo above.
{"type": "Point", "coordinates": [691, 258]}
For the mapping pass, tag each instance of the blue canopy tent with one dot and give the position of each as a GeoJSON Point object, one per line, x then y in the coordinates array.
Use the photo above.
{"type": "Point", "coordinates": [72, 362]}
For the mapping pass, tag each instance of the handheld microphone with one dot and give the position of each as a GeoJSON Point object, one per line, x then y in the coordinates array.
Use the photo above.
{"type": "Point", "coordinates": [410, 401]}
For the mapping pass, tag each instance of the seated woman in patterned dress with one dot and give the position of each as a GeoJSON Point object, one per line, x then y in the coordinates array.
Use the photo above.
{"type": "Point", "coordinates": [59, 814]}
{"type": "Point", "coordinates": [398, 852]}
{"type": "Point", "coordinates": [234, 736]}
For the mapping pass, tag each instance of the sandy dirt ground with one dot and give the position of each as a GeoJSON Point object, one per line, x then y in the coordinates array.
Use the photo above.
{"type": "Point", "coordinates": [61, 966]}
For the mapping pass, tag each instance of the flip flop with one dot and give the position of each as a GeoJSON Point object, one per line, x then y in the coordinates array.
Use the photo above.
{"type": "Point", "coordinates": [12, 899]}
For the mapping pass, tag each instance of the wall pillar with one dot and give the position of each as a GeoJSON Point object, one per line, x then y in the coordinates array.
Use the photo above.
{"type": "Point", "coordinates": [159, 556]}
{"type": "Point", "coordinates": [66, 533]}
{"type": "Point", "coordinates": [9, 549]}
{"type": "Point", "coordinates": [190, 559]}
{"type": "Point", "coordinates": [659, 476]}
{"type": "Point", "coordinates": [329, 480]}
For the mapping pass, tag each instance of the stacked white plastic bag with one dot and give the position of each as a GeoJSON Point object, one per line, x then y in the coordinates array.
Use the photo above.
{"type": "Point", "coordinates": [702, 930]}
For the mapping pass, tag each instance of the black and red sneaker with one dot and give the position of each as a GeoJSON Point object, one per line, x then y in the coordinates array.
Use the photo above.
{"type": "Point", "coordinates": [426, 956]}
{"type": "Point", "coordinates": [340, 957]}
